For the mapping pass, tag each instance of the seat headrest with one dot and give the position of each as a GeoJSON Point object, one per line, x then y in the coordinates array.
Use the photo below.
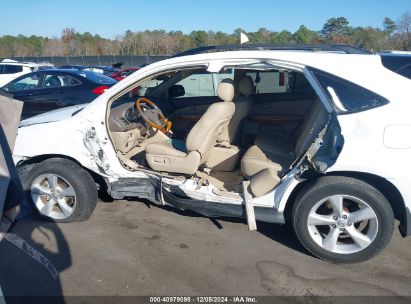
{"type": "Point", "coordinates": [246, 85]}
{"type": "Point", "coordinates": [225, 90]}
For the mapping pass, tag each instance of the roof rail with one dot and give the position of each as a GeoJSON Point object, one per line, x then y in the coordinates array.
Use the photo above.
{"type": "Point", "coordinates": [339, 48]}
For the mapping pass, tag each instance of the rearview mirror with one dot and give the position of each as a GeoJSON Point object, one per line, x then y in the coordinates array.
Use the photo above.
{"type": "Point", "coordinates": [176, 91]}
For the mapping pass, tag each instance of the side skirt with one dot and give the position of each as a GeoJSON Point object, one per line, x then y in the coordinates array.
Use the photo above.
{"type": "Point", "coordinates": [150, 189]}
{"type": "Point", "coordinates": [136, 187]}
{"type": "Point", "coordinates": [213, 209]}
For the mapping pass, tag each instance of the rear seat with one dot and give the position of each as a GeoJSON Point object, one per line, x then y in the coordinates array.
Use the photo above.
{"type": "Point", "coordinates": [289, 146]}
{"type": "Point", "coordinates": [263, 173]}
{"type": "Point", "coordinates": [269, 158]}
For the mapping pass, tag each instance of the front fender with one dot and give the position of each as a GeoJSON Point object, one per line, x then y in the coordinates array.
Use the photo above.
{"type": "Point", "coordinates": [54, 138]}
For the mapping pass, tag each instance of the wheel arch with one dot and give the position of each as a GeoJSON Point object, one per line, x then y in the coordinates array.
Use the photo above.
{"type": "Point", "coordinates": [100, 180]}
{"type": "Point", "coordinates": [390, 192]}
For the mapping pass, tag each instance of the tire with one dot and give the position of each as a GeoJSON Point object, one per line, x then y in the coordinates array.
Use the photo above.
{"type": "Point", "coordinates": [68, 190]}
{"type": "Point", "coordinates": [342, 219]}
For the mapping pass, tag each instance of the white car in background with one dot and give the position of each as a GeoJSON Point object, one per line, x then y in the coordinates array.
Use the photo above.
{"type": "Point", "coordinates": [11, 69]}
{"type": "Point", "coordinates": [318, 137]}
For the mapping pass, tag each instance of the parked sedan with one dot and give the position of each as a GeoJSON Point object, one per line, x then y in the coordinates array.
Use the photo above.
{"type": "Point", "coordinates": [47, 90]}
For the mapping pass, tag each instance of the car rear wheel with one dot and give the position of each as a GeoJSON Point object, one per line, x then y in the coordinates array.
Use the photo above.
{"type": "Point", "coordinates": [59, 190]}
{"type": "Point", "coordinates": [342, 220]}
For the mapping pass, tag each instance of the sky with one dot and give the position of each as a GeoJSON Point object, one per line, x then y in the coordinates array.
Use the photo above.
{"type": "Point", "coordinates": [109, 18]}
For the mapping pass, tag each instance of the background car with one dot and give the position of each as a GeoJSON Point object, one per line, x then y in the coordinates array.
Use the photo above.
{"type": "Point", "coordinates": [120, 75]}
{"type": "Point", "coordinates": [11, 69]}
{"type": "Point", "coordinates": [47, 90]}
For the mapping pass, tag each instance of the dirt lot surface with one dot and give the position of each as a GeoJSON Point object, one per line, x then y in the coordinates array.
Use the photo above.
{"type": "Point", "coordinates": [130, 248]}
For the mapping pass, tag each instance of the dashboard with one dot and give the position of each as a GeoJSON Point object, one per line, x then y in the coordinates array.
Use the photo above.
{"type": "Point", "coordinates": [125, 117]}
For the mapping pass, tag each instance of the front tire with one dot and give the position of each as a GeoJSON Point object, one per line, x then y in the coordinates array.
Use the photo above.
{"type": "Point", "coordinates": [342, 219]}
{"type": "Point", "coordinates": [59, 190]}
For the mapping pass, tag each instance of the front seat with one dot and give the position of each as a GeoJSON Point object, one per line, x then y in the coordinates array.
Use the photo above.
{"type": "Point", "coordinates": [177, 157]}
{"type": "Point", "coordinates": [243, 102]}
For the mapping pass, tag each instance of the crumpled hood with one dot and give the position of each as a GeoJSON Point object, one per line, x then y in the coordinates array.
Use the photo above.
{"type": "Point", "coordinates": [54, 115]}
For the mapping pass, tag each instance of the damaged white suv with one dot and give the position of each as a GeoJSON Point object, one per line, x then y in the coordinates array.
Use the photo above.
{"type": "Point", "coordinates": [315, 136]}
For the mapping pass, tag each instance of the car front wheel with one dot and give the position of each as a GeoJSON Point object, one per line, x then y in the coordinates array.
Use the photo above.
{"type": "Point", "coordinates": [59, 190]}
{"type": "Point", "coordinates": [342, 220]}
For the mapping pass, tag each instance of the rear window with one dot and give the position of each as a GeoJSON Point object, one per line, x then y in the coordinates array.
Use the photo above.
{"type": "Point", "coordinates": [10, 69]}
{"type": "Point", "coordinates": [97, 77]}
{"type": "Point", "coordinates": [279, 82]}
{"type": "Point", "coordinates": [398, 63]}
{"type": "Point", "coordinates": [405, 71]}
{"type": "Point", "coordinates": [347, 96]}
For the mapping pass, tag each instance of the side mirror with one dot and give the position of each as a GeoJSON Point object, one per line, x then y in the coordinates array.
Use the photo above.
{"type": "Point", "coordinates": [176, 91]}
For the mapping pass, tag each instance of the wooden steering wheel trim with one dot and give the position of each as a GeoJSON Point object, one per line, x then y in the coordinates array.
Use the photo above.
{"type": "Point", "coordinates": [166, 123]}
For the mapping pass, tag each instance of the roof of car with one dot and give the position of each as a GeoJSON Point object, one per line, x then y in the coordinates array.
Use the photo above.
{"type": "Point", "coordinates": [328, 60]}
{"type": "Point", "coordinates": [55, 71]}
{"type": "Point", "coordinates": [337, 48]}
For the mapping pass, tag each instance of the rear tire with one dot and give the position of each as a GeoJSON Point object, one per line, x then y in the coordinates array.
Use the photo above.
{"type": "Point", "coordinates": [342, 219]}
{"type": "Point", "coordinates": [59, 190]}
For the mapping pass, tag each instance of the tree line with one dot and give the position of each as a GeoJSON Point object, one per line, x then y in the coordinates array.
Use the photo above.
{"type": "Point", "coordinates": [393, 35]}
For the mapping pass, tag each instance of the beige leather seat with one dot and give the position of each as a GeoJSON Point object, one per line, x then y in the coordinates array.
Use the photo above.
{"type": "Point", "coordinates": [263, 173]}
{"type": "Point", "coordinates": [275, 145]}
{"type": "Point", "coordinates": [243, 103]}
{"type": "Point", "coordinates": [264, 165]}
{"type": "Point", "coordinates": [225, 155]}
{"type": "Point", "coordinates": [173, 156]}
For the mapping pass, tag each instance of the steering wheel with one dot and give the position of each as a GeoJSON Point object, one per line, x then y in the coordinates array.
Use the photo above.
{"type": "Point", "coordinates": [152, 114]}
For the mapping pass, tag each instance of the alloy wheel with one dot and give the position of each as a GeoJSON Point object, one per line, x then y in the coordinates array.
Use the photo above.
{"type": "Point", "coordinates": [53, 196]}
{"type": "Point", "coordinates": [342, 224]}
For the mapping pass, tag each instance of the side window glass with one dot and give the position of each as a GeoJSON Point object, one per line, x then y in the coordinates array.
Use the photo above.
{"type": "Point", "coordinates": [203, 84]}
{"type": "Point", "coordinates": [406, 72]}
{"type": "Point", "coordinates": [27, 83]}
{"type": "Point", "coordinates": [270, 82]}
{"type": "Point", "coordinates": [55, 81]}
{"type": "Point", "coordinates": [11, 69]}
{"type": "Point", "coordinates": [199, 84]}
{"type": "Point", "coordinates": [347, 96]}
{"type": "Point", "coordinates": [72, 81]}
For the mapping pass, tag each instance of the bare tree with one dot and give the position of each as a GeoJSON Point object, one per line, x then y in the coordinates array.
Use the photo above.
{"type": "Point", "coordinates": [403, 26]}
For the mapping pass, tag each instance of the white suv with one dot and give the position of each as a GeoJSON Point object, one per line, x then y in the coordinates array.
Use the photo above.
{"type": "Point", "coordinates": [11, 69]}
{"type": "Point", "coordinates": [323, 145]}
